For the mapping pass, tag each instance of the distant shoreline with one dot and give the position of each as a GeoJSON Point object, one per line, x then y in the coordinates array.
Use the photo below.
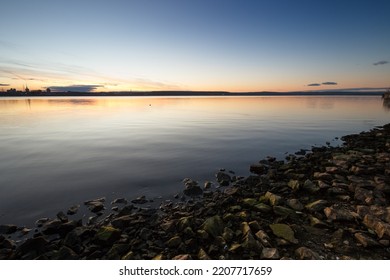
{"type": "Point", "coordinates": [187, 93]}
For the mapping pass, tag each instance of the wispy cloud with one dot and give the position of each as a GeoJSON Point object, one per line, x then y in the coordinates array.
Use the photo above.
{"type": "Point", "coordinates": [329, 83]}
{"type": "Point", "coordinates": [314, 85]}
{"type": "Point", "coordinates": [382, 62]}
{"type": "Point", "coordinates": [75, 88]}
{"type": "Point", "coordinates": [4, 85]}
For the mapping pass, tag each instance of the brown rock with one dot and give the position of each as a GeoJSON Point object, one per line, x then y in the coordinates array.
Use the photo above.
{"type": "Point", "coordinates": [270, 254]}
{"type": "Point", "coordinates": [365, 240]}
{"type": "Point", "coordinates": [304, 253]}
{"type": "Point", "coordinates": [335, 214]}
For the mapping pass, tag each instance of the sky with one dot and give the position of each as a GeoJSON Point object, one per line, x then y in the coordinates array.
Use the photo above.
{"type": "Point", "coordinates": [215, 45]}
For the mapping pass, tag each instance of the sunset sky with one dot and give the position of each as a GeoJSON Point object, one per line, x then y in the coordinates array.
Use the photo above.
{"type": "Point", "coordinates": [264, 45]}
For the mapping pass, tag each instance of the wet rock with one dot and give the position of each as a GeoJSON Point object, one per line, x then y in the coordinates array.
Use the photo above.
{"type": "Point", "coordinates": [340, 214]}
{"type": "Point", "coordinates": [207, 185]}
{"type": "Point", "coordinates": [317, 205]}
{"type": "Point", "coordinates": [41, 222]}
{"type": "Point", "coordinates": [8, 229]}
{"type": "Point", "coordinates": [95, 206]}
{"type": "Point", "coordinates": [304, 253]}
{"type": "Point", "coordinates": [283, 231]}
{"type": "Point", "coordinates": [223, 179]}
{"type": "Point", "coordinates": [192, 188]}
{"type": "Point", "coordinates": [127, 210]}
{"type": "Point", "coordinates": [213, 226]}
{"type": "Point", "coordinates": [365, 240]}
{"type": "Point", "coordinates": [270, 254]}
{"type": "Point", "coordinates": [119, 201]}
{"type": "Point", "coordinates": [65, 253]}
{"type": "Point", "coordinates": [258, 168]}
{"type": "Point", "coordinates": [73, 210]}
{"type": "Point", "coordinates": [122, 222]}
{"type": "Point", "coordinates": [140, 200]}
{"type": "Point", "coordinates": [62, 217]}
{"type": "Point", "coordinates": [323, 176]}
{"type": "Point", "coordinates": [202, 234]}
{"type": "Point", "coordinates": [228, 234]}
{"type": "Point", "coordinates": [107, 235]}
{"type": "Point", "coordinates": [52, 227]}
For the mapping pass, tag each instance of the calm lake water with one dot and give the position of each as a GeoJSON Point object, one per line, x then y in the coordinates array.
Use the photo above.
{"type": "Point", "coordinates": [57, 152]}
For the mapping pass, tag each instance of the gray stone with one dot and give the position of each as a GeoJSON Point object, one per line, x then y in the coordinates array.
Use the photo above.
{"type": "Point", "coordinates": [140, 200]}
{"type": "Point", "coordinates": [295, 204]}
{"type": "Point", "coordinates": [73, 210]}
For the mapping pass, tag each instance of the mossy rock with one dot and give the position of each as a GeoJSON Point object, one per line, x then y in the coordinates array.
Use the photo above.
{"type": "Point", "coordinates": [213, 226]}
{"type": "Point", "coordinates": [107, 235]}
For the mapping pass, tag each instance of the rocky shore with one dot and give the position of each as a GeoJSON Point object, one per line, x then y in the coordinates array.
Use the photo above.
{"type": "Point", "coordinates": [329, 203]}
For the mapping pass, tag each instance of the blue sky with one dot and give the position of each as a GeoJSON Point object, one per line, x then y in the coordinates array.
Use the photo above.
{"type": "Point", "coordinates": [195, 45]}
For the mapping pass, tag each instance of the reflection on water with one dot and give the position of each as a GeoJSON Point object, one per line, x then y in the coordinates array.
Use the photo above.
{"type": "Point", "coordinates": [56, 152]}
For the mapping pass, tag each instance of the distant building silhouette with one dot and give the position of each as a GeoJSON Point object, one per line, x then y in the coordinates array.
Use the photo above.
{"type": "Point", "coordinates": [26, 89]}
{"type": "Point", "coordinates": [48, 90]}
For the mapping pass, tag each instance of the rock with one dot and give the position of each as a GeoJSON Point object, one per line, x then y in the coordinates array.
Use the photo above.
{"type": "Point", "coordinates": [304, 253]}
{"type": "Point", "coordinates": [52, 227]}
{"type": "Point", "coordinates": [41, 222]}
{"type": "Point", "coordinates": [62, 217]}
{"type": "Point", "coordinates": [202, 255]}
{"type": "Point", "coordinates": [213, 226]}
{"type": "Point", "coordinates": [107, 235]}
{"type": "Point", "coordinates": [315, 222]}
{"type": "Point", "coordinates": [235, 247]}
{"type": "Point", "coordinates": [174, 242]}
{"type": "Point", "coordinates": [270, 254]}
{"type": "Point", "coordinates": [323, 176]}
{"type": "Point", "coordinates": [283, 231]}
{"type": "Point", "coordinates": [364, 195]}
{"type": "Point", "coordinates": [192, 190]}
{"type": "Point", "coordinates": [122, 222]}
{"type": "Point", "coordinates": [223, 179]}
{"type": "Point", "coordinates": [335, 214]}
{"type": "Point", "coordinates": [119, 201]}
{"type": "Point", "coordinates": [254, 225]}
{"type": "Point", "coordinates": [35, 245]}
{"type": "Point", "coordinates": [168, 226]}
{"type": "Point", "coordinates": [145, 234]}
{"type": "Point", "coordinates": [207, 185]}
{"type": "Point", "coordinates": [249, 201]}
{"type": "Point", "coordinates": [258, 168]}
{"type": "Point", "coordinates": [294, 185]}
{"type": "Point", "coordinates": [263, 238]}
{"type": "Point", "coordinates": [66, 253]}
{"type": "Point", "coordinates": [127, 210]}
{"type": "Point", "coordinates": [202, 234]}
{"type": "Point", "coordinates": [88, 202]}
{"type": "Point", "coordinates": [228, 234]}
{"type": "Point", "coordinates": [284, 211]}
{"type": "Point", "coordinates": [73, 210]}
{"type": "Point", "coordinates": [8, 229]}
{"type": "Point", "coordinates": [250, 243]}
{"type": "Point", "coordinates": [263, 208]}
{"type": "Point", "coordinates": [310, 187]}
{"type": "Point", "coordinates": [365, 240]}
{"type": "Point", "coordinates": [381, 228]}
{"type": "Point", "coordinates": [317, 205]}
{"type": "Point", "coordinates": [182, 257]}
{"type": "Point", "coordinates": [140, 200]}
{"type": "Point", "coordinates": [95, 206]}
{"type": "Point", "coordinates": [273, 198]}
{"type": "Point", "coordinates": [245, 228]}
{"type": "Point", "coordinates": [295, 204]}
